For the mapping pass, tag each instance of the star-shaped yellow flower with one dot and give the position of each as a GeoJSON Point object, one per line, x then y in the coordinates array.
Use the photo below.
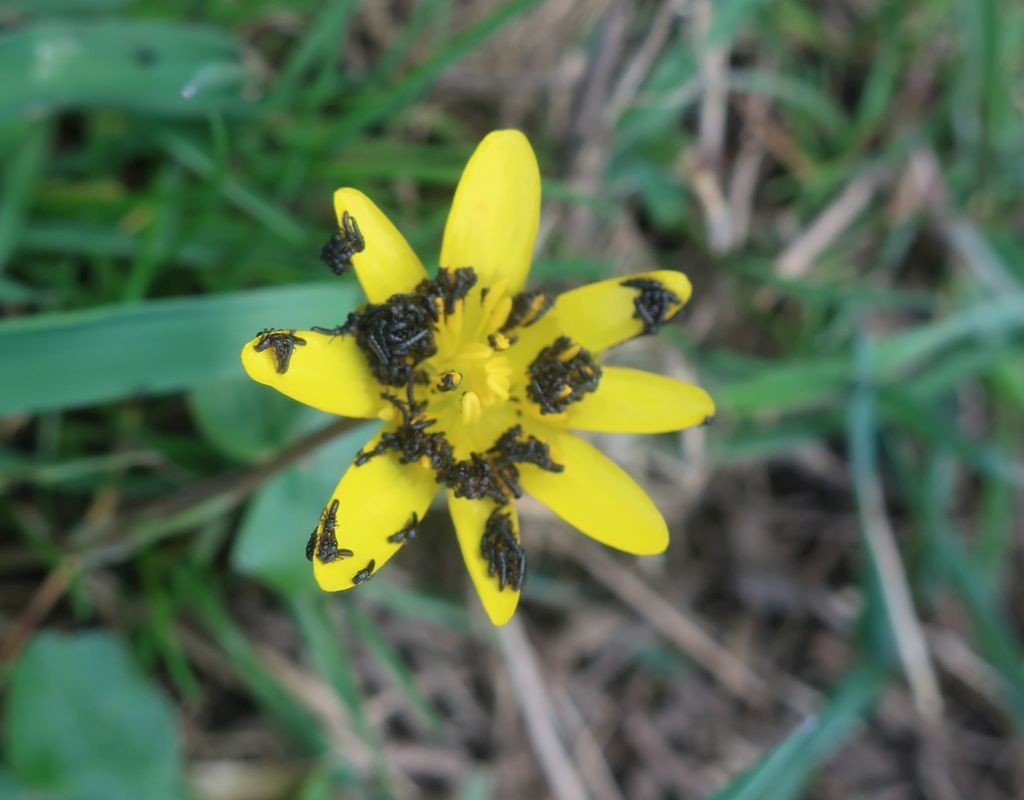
{"type": "Point", "coordinates": [480, 383]}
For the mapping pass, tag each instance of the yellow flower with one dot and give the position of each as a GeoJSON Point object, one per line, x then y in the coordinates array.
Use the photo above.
{"type": "Point", "coordinates": [480, 384]}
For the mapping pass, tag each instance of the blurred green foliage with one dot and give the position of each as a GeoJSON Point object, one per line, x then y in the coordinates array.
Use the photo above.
{"type": "Point", "coordinates": [80, 723]}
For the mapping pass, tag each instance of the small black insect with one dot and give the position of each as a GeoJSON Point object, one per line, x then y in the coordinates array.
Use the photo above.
{"type": "Point", "coordinates": [395, 336]}
{"type": "Point", "coordinates": [707, 421]}
{"type": "Point", "coordinates": [311, 544]}
{"type": "Point", "coordinates": [653, 303]}
{"type": "Point", "coordinates": [527, 308]}
{"type": "Point", "coordinates": [410, 438]}
{"type": "Point", "coordinates": [338, 330]}
{"type": "Point", "coordinates": [337, 253]}
{"type": "Point", "coordinates": [145, 56]}
{"type": "Point", "coordinates": [328, 550]}
{"type": "Point", "coordinates": [364, 574]}
{"type": "Point", "coordinates": [449, 286]}
{"type": "Point", "coordinates": [407, 531]}
{"type": "Point", "coordinates": [505, 557]}
{"type": "Point", "coordinates": [283, 342]}
{"type": "Point", "coordinates": [512, 448]}
{"type": "Point", "coordinates": [449, 381]}
{"type": "Point", "coordinates": [562, 373]}
{"type": "Point", "coordinates": [473, 478]}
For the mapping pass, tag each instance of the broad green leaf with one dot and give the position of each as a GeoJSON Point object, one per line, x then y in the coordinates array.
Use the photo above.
{"type": "Point", "coordinates": [79, 358]}
{"type": "Point", "coordinates": [247, 421]}
{"type": "Point", "coordinates": [142, 66]}
{"type": "Point", "coordinates": [81, 723]}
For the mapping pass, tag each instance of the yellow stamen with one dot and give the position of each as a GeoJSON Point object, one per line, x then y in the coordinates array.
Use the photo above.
{"type": "Point", "coordinates": [500, 365]}
{"type": "Point", "coordinates": [495, 294]}
{"type": "Point", "coordinates": [501, 312]}
{"type": "Point", "coordinates": [499, 384]}
{"type": "Point", "coordinates": [476, 351]}
{"type": "Point", "coordinates": [471, 408]}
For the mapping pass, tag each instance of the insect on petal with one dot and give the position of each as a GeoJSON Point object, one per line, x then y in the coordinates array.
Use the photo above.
{"type": "Point", "coordinates": [375, 501]}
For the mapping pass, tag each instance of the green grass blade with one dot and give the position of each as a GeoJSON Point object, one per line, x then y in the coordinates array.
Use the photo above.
{"type": "Point", "coordinates": [393, 664]}
{"type": "Point", "coordinates": [784, 772]}
{"type": "Point", "coordinates": [78, 358]}
{"type": "Point", "coordinates": [22, 173]}
{"type": "Point", "coordinates": [374, 105]}
{"type": "Point", "coordinates": [191, 156]}
{"type": "Point", "coordinates": [320, 44]}
{"type": "Point", "coordinates": [147, 67]}
{"type": "Point", "coordinates": [300, 724]}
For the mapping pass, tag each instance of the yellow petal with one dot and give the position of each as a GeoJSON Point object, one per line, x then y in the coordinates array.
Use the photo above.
{"type": "Point", "coordinates": [327, 372]}
{"type": "Point", "coordinates": [633, 401]}
{"type": "Point", "coordinates": [596, 496]}
{"type": "Point", "coordinates": [492, 225]}
{"type": "Point", "coordinates": [470, 518]}
{"type": "Point", "coordinates": [375, 501]}
{"type": "Point", "coordinates": [387, 265]}
{"type": "Point", "coordinates": [599, 315]}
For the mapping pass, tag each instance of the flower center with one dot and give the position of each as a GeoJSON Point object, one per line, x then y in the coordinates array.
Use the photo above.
{"type": "Point", "coordinates": [439, 353]}
{"type": "Point", "coordinates": [470, 373]}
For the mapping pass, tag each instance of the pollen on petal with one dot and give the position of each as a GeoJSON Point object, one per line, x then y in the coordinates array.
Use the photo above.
{"type": "Point", "coordinates": [499, 342]}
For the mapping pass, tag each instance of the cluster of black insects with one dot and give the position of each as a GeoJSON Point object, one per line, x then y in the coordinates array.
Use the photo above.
{"type": "Point", "coordinates": [494, 475]}
{"type": "Point", "coordinates": [505, 557]}
{"type": "Point", "coordinates": [337, 253]}
{"type": "Point", "coordinates": [397, 335]}
{"type": "Point", "coordinates": [557, 380]}
{"type": "Point", "coordinates": [410, 439]}
{"type": "Point", "coordinates": [323, 541]}
{"type": "Point", "coordinates": [653, 303]}
{"type": "Point", "coordinates": [527, 308]}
